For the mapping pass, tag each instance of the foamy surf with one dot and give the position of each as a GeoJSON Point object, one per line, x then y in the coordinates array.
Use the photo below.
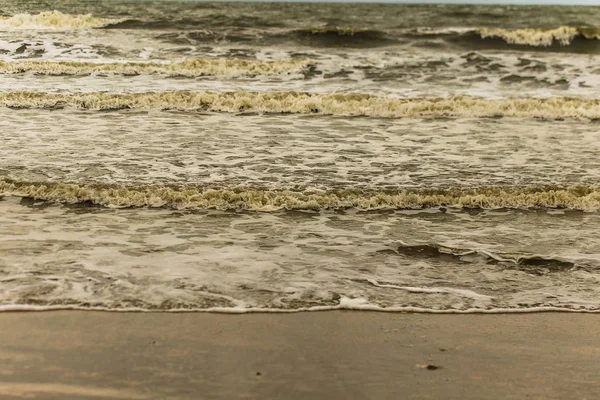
{"type": "Point", "coordinates": [257, 199]}
{"type": "Point", "coordinates": [346, 303]}
{"type": "Point", "coordinates": [54, 20]}
{"type": "Point", "coordinates": [347, 104]}
{"type": "Point", "coordinates": [532, 38]}
{"type": "Point", "coordinates": [188, 68]}
{"type": "Point", "coordinates": [139, 259]}
{"type": "Point", "coordinates": [563, 35]}
{"type": "Point", "coordinates": [535, 37]}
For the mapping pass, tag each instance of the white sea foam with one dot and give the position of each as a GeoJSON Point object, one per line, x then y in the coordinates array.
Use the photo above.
{"type": "Point", "coordinates": [243, 198]}
{"type": "Point", "coordinates": [562, 35]}
{"type": "Point", "coordinates": [346, 303]}
{"type": "Point", "coordinates": [54, 20]}
{"type": "Point", "coordinates": [460, 292]}
{"type": "Point", "coordinates": [188, 68]}
{"type": "Point", "coordinates": [308, 103]}
{"type": "Point", "coordinates": [533, 37]}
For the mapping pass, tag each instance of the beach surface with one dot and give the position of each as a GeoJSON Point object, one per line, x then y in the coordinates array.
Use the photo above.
{"type": "Point", "coordinates": [317, 355]}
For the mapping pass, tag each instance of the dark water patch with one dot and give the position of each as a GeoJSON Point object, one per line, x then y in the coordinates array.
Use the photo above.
{"type": "Point", "coordinates": [551, 264]}
{"type": "Point", "coordinates": [476, 59]}
{"type": "Point", "coordinates": [477, 79]}
{"type": "Point", "coordinates": [468, 13]}
{"type": "Point", "coordinates": [536, 68]}
{"type": "Point", "coordinates": [31, 202]}
{"type": "Point", "coordinates": [437, 70]}
{"type": "Point", "coordinates": [431, 251]}
{"type": "Point", "coordinates": [311, 71]}
{"type": "Point", "coordinates": [209, 36]}
{"type": "Point", "coordinates": [140, 24]}
{"type": "Point", "coordinates": [338, 74]}
{"type": "Point", "coordinates": [241, 53]}
{"type": "Point", "coordinates": [513, 78]}
{"type": "Point", "coordinates": [174, 38]}
{"type": "Point", "coordinates": [341, 37]}
{"type": "Point", "coordinates": [532, 264]}
{"type": "Point", "coordinates": [21, 49]}
{"type": "Point", "coordinates": [428, 44]}
{"type": "Point", "coordinates": [532, 65]}
{"type": "Point", "coordinates": [241, 21]}
{"type": "Point", "coordinates": [304, 55]}
{"type": "Point", "coordinates": [217, 21]}
{"type": "Point", "coordinates": [534, 81]}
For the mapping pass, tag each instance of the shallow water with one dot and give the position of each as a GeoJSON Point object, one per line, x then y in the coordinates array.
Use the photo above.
{"type": "Point", "coordinates": [166, 260]}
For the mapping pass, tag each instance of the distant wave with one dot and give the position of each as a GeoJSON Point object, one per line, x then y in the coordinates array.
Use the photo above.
{"type": "Point", "coordinates": [53, 20]}
{"type": "Point", "coordinates": [210, 20]}
{"type": "Point", "coordinates": [243, 198]}
{"type": "Point", "coordinates": [341, 37]}
{"type": "Point", "coordinates": [309, 103]}
{"type": "Point", "coordinates": [189, 68]}
{"type": "Point", "coordinates": [328, 36]}
{"type": "Point", "coordinates": [563, 35]}
{"type": "Point", "coordinates": [564, 38]}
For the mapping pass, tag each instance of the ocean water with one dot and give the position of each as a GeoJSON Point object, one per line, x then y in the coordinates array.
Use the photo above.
{"type": "Point", "coordinates": [238, 157]}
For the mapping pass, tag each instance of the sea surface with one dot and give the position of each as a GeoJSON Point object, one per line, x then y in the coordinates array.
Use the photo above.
{"type": "Point", "coordinates": [238, 157]}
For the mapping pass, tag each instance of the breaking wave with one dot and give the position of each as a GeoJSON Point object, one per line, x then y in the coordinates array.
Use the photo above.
{"type": "Point", "coordinates": [188, 68]}
{"type": "Point", "coordinates": [264, 199]}
{"type": "Point", "coordinates": [53, 20]}
{"type": "Point", "coordinates": [310, 103]}
{"type": "Point", "coordinates": [564, 38]}
{"type": "Point", "coordinates": [563, 35]}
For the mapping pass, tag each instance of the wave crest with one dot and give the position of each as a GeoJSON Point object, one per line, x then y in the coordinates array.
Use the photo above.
{"type": "Point", "coordinates": [257, 199]}
{"type": "Point", "coordinates": [356, 104]}
{"type": "Point", "coordinates": [188, 68]}
{"type": "Point", "coordinates": [561, 39]}
{"type": "Point", "coordinates": [563, 35]}
{"type": "Point", "coordinates": [341, 37]}
{"type": "Point", "coordinates": [532, 37]}
{"type": "Point", "coordinates": [53, 20]}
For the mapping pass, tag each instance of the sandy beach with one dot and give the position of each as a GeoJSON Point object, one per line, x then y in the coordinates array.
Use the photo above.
{"type": "Point", "coordinates": [319, 355]}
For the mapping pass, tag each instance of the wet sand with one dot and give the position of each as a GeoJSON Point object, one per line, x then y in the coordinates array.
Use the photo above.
{"type": "Point", "coordinates": [319, 355]}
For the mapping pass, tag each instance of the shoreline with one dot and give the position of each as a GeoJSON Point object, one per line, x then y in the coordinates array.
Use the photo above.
{"type": "Point", "coordinates": [18, 308]}
{"type": "Point", "coordinates": [328, 355]}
